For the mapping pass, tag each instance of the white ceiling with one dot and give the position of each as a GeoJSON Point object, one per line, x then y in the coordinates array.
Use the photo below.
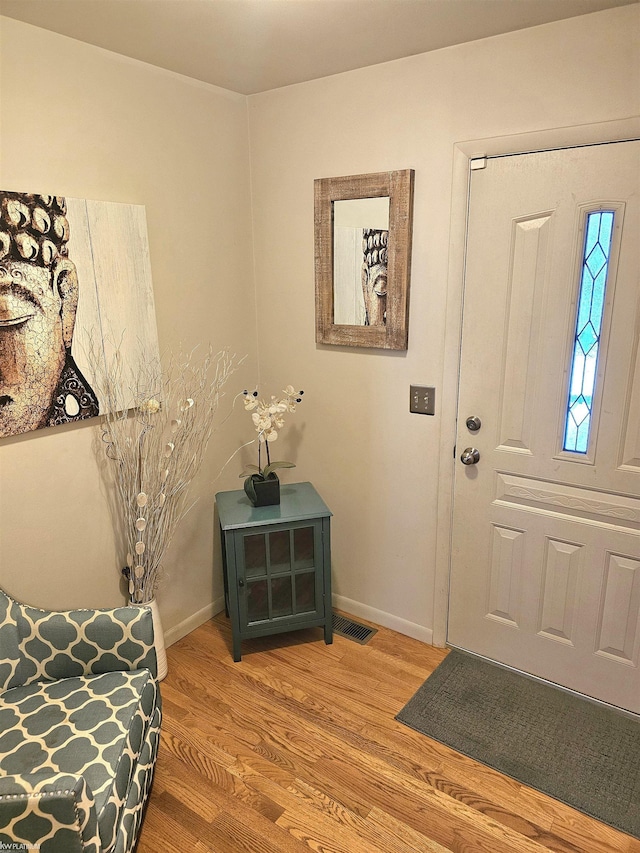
{"type": "Point", "coordinates": [251, 46]}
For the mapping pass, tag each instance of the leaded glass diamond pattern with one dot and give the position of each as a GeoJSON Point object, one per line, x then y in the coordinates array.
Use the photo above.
{"type": "Point", "coordinates": [584, 359]}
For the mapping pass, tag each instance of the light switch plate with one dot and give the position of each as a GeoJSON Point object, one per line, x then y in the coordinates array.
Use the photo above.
{"type": "Point", "coordinates": [422, 399]}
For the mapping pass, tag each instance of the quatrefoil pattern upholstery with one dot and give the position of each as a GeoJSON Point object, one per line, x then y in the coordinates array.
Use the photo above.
{"type": "Point", "coordinates": [79, 727]}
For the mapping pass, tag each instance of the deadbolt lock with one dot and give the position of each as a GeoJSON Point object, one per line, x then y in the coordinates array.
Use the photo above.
{"type": "Point", "coordinates": [474, 423]}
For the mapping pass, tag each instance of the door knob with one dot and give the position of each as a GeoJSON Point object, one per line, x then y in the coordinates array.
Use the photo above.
{"type": "Point", "coordinates": [470, 456]}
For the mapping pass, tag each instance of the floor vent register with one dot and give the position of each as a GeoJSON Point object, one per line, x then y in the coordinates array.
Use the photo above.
{"type": "Point", "coordinates": [352, 630]}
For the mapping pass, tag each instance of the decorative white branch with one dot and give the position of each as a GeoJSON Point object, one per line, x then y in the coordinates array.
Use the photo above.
{"type": "Point", "coordinates": [156, 426]}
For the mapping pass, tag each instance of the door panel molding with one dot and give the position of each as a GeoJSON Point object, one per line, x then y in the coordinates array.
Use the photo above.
{"type": "Point", "coordinates": [569, 501]}
{"type": "Point", "coordinates": [630, 450]}
{"type": "Point", "coordinates": [619, 619]}
{"type": "Point", "coordinates": [506, 571]}
{"type": "Point", "coordinates": [530, 247]}
{"type": "Point", "coordinates": [561, 569]}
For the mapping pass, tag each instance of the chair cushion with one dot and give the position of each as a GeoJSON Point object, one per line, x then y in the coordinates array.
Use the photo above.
{"type": "Point", "coordinates": [94, 726]}
{"type": "Point", "coordinates": [45, 645]}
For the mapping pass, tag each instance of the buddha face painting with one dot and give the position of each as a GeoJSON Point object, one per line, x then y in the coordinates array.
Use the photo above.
{"type": "Point", "coordinates": [40, 384]}
{"type": "Point", "coordinates": [374, 275]}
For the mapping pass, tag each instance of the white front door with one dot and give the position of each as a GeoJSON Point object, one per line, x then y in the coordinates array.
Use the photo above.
{"type": "Point", "coordinates": [545, 572]}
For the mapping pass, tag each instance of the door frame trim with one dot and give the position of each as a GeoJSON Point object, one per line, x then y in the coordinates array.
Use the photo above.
{"type": "Point", "coordinates": [463, 152]}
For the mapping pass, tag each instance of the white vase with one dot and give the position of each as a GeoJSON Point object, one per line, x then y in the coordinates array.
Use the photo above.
{"type": "Point", "coordinates": [158, 636]}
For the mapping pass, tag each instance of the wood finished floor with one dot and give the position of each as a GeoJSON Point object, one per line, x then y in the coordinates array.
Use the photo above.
{"type": "Point", "coordinates": [296, 749]}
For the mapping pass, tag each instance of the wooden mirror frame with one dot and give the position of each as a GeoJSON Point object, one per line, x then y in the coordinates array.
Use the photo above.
{"type": "Point", "coordinates": [398, 186]}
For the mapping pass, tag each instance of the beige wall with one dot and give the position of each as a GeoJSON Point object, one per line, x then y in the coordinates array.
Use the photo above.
{"type": "Point", "coordinates": [95, 125]}
{"type": "Point", "coordinates": [80, 121]}
{"type": "Point", "coordinates": [378, 467]}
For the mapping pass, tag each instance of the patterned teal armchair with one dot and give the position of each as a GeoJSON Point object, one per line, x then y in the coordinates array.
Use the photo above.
{"type": "Point", "coordinates": [79, 727]}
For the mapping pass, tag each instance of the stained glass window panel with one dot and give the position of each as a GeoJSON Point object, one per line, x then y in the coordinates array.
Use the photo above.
{"type": "Point", "coordinates": [584, 358]}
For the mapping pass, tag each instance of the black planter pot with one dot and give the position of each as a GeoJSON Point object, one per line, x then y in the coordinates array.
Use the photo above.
{"type": "Point", "coordinates": [263, 492]}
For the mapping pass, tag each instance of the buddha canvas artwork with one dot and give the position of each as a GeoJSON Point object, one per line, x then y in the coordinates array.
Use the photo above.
{"type": "Point", "coordinates": [72, 272]}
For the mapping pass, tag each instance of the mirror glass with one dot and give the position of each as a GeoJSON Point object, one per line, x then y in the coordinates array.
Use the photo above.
{"type": "Point", "coordinates": [360, 236]}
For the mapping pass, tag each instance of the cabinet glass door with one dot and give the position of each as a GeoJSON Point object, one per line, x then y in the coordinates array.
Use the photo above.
{"type": "Point", "coordinates": [279, 568]}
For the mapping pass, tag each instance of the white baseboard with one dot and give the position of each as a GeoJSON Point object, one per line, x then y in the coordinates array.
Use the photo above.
{"type": "Point", "coordinates": [386, 620]}
{"type": "Point", "coordinates": [353, 608]}
{"type": "Point", "coordinates": [192, 622]}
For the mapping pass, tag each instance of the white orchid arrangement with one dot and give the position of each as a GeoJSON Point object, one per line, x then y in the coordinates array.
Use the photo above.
{"type": "Point", "coordinates": [268, 418]}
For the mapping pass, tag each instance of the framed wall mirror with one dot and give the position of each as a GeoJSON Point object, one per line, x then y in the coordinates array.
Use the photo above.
{"type": "Point", "coordinates": [363, 228]}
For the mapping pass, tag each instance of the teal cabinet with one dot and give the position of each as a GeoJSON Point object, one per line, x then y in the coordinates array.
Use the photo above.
{"type": "Point", "coordinates": [276, 562]}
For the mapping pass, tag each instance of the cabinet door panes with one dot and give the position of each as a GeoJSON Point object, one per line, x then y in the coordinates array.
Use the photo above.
{"type": "Point", "coordinates": [280, 573]}
{"type": "Point", "coordinates": [281, 597]}
{"type": "Point", "coordinates": [255, 555]}
{"type": "Point", "coordinates": [303, 547]}
{"type": "Point", "coordinates": [305, 592]}
{"type": "Point", "coordinates": [257, 601]}
{"type": "Point", "coordinates": [279, 550]}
